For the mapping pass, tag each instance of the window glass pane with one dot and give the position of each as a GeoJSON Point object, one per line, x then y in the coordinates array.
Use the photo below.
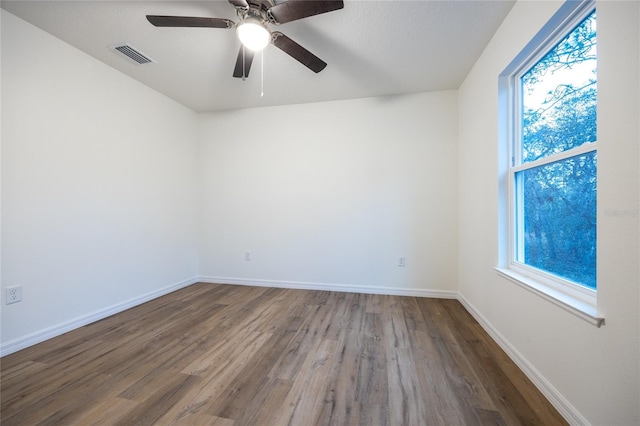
{"type": "Point", "coordinates": [559, 96]}
{"type": "Point", "coordinates": [558, 212]}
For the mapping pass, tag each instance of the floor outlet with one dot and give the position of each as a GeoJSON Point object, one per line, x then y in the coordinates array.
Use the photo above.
{"type": "Point", "coordinates": [14, 294]}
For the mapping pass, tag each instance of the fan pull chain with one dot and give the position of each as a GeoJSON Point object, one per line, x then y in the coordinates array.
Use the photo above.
{"type": "Point", "coordinates": [243, 69]}
{"type": "Point", "coordinates": [262, 73]}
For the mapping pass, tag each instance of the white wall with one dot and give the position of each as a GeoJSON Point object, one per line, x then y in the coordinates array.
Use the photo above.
{"type": "Point", "coordinates": [98, 187]}
{"type": "Point", "coordinates": [331, 194]}
{"type": "Point", "coordinates": [593, 373]}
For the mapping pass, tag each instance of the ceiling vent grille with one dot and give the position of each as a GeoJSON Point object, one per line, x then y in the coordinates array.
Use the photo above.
{"type": "Point", "coordinates": [132, 53]}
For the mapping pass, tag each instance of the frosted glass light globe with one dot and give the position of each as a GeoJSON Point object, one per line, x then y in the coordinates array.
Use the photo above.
{"type": "Point", "coordinates": [253, 36]}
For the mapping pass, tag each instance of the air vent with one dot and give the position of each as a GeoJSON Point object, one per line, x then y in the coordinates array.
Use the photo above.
{"type": "Point", "coordinates": [132, 53]}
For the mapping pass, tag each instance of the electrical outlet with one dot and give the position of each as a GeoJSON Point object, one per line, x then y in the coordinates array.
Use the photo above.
{"type": "Point", "coordinates": [247, 255]}
{"type": "Point", "coordinates": [14, 294]}
{"type": "Point", "coordinates": [401, 261]}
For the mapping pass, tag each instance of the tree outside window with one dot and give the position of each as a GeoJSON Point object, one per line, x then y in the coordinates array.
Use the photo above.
{"type": "Point", "coordinates": [555, 160]}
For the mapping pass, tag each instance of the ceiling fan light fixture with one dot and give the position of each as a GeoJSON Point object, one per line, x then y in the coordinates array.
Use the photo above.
{"type": "Point", "coordinates": [253, 35]}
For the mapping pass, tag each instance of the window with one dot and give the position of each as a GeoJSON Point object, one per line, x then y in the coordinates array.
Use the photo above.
{"type": "Point", "coordinates": [554, 162]}
{"type": "Point", "coordinates": [551, 112]}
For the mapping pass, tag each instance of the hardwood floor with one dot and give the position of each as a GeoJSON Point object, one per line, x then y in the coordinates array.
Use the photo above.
{"type": "Point", "coordinates": [233, 355]}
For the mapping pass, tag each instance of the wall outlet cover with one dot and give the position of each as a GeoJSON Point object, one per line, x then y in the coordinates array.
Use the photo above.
{"type": "Point", "coordinates": [14, 294]}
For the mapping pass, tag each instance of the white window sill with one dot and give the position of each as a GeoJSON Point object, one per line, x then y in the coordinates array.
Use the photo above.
{"type": "Point", "coordinates": [570, 304]}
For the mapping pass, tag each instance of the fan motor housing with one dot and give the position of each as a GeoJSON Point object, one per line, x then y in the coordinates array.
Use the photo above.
{"type": "Point", "coordinates": [262, 5]}
{"type": "Point", "coordinates": [257, 9]}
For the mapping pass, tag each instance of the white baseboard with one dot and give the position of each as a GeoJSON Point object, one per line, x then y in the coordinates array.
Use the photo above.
{"type": "Point", "coordinates": [301, 285]}
{"type": "Point", "coordinates": [556, 399]}
{"type": "Point", "coordinates": [56, 330]}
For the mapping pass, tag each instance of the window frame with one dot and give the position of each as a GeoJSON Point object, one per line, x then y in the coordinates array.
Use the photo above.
{"type": "Point", "coordinates": [573, 297]}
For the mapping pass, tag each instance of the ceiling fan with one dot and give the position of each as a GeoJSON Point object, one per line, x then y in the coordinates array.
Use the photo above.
{"type": "Point", "coordinates": [253, 30]}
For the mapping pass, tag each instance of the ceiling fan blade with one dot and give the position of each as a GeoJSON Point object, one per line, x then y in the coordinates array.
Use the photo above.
{"type": "Point", "coordinates": [247, 54]}
{"type": "Point", "coordinates": [297, 9]}
{"type": "Point", "coordinates": [240, 3]}
{"type": "Point", "coordinates": [297, 52]}
{"type": "Point", "coordinates": [189, 21]}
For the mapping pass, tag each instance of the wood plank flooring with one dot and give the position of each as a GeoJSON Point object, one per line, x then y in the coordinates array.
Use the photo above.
{"type": "Point", "coordinates": [234, 355]}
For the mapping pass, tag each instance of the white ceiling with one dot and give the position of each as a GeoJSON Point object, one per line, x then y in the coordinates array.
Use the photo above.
{"type": "Point", "coordinates": [373, 48]}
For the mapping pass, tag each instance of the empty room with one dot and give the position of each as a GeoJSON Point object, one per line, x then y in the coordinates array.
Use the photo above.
{"type": "Point", "coordinates": [259, 212]}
